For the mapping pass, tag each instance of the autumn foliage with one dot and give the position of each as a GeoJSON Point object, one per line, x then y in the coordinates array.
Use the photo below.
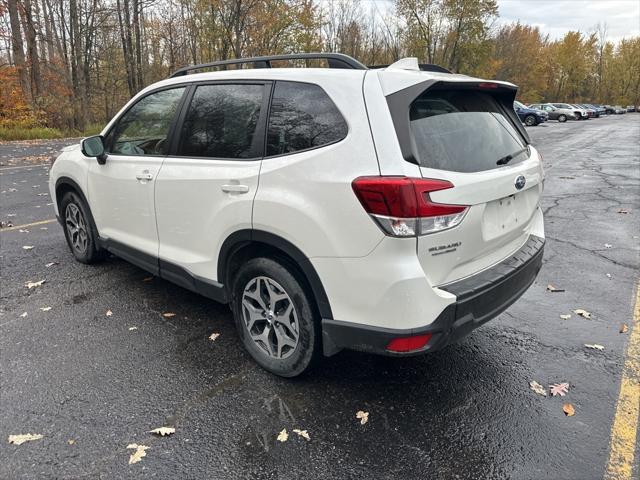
{"type": "Point", "coordinates": [70, 63]}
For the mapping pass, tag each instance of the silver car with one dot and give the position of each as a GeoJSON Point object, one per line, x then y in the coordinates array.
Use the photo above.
{"type": "Point", "coordinates": [555, 113]}
{"type": "Point", "coordinates": [580, 113]}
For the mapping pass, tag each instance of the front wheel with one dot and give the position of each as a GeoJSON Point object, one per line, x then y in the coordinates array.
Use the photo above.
{"type": "Point", "coordinates": [530, 121]}
{"type": "Point", "coordinates": [81, 234]}
{"type": "Point", "coordinates": [275, 317]}
{"type": "Point", "coordinates": [562, 118]}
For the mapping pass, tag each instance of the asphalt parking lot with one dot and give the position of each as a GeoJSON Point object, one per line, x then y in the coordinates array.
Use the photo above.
{"type": "Point", "coordinates": [93, 383]}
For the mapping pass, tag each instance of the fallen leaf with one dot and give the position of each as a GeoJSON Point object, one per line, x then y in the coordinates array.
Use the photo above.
{"type": "Point", "coordinates": [607, 245]}
{"type": "Point", "coordinates": [582, 313]}
{"type": "Point", "coordinates": [362, 416]}
{"type": "Point", "coordinates": [565, 317]}
{"type": "Point", "coordinates": [568, 410]}
{"type": "Point", "coordinates": [27, 437]}
{"type": "Point", "coordinates": [24, 314]}
{"type": "Point", "coordinates": [559, 389]}
{"type": "Point", "coordinates": [302, 433]}
{"type": "Point", "coordinates": [624, 328]}
{"type": "Point", "coordinates": [133, 328]}
{"type": "Point", "coordinates": [608, 275]}
{"type": "Point", "coordinates": [624, 211]}
{"type": "Point", "coordinates": [536, 387]}
{"type": "Point", "coordinates": [169, 314]}
{"type": "Point", "coordinates": [6, 224]}
{"type": "Point", "coordinates": [27, 247]}
{"type": "Point", "coordinates": [71, 441]}
{"type": "Point", "coordinates": [147, 279]}
{"type": "Point", "coordinates": [109, 313]}
{"type": "Point", "coordinates": [138, 454]}
{"type": "Point", "coordinates": [31, 285]}
{"type": "Point", "coordinates": [45, 309]}
{"type": "Point", "coordinates": [283, 436]}
{"type": "Point", "coordinates": [51, 264]}
{"type": "Point", "coordinates": [568, 178]}
{"type": "Point", "coordinates": [22, 230]}
{"type": "Point", "coordinates": [594, 346]}
{"type": "Point", "coordinates": [162, 431]}
{"type": "Point", "coordinates": [551, 288]}
{"type": "Point", "coordinates": [213, 336]}
{"type": "Point", "coordinates": [13, 189]}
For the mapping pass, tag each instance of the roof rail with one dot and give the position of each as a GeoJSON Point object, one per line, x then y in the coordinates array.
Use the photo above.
{"type": "Point", "coordinates": [425, 67]}
{"type": "Point", "coordinates": [335, 60]}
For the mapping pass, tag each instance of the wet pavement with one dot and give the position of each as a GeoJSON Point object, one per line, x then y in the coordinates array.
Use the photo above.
{"type": "Point", "coordinates": [92, 384]}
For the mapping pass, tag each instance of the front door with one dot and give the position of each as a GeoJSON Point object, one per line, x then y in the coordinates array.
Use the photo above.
{"type": "Point", "coordinates": [121, 192]}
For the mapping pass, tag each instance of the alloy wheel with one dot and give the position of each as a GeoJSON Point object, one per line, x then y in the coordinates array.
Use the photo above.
{"type": "Point", "coordinates": [270, 317]}
{"type": "Point", "coordinates": [77, 228]}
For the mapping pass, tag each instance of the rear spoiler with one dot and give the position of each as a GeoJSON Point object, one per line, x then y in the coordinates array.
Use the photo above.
{"type": "Point", "coordinates": [400, 101]}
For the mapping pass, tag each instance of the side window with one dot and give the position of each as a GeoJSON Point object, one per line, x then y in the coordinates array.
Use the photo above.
{"type": "Point", "coordinates": [221, 121]}
{"type": "Point", "coordinates": [302, 116]}
{"type": "Point", "coordinates": [144, 128]}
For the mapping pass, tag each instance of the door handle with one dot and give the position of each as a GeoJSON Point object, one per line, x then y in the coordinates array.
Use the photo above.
{"type": "Point", "coordinates": [146, 176]}
{"type": "Point", "coordinates": [235, 188]}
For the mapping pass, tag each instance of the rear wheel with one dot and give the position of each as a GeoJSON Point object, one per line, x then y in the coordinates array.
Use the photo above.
{"type": "Point", "coordinates": [275, 317]}
{"type": "Point", "coordinates": [530, 120]}
{"type": "Point", "coordinates": [562, 118]}
{"type": "Point", "coordinates": [79, 230]}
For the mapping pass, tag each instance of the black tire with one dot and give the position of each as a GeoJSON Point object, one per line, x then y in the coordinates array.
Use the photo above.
{"type": "Point", "coordinates": [85, 252]}
{"type": "Point", "coordinates": [307, 351]}
{"type": "Point", "coordinates": [562, 118]}
{"type": "Point", "coordinates": [530, 120]}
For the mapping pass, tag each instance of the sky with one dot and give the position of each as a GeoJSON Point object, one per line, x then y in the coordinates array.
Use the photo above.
{"type": "Point", "coordinates": [556, 17]}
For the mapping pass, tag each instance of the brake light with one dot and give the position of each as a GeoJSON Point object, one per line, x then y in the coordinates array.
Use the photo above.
{"type": "Point", "coordinates": [487, 85]}
{"type": "Point", "coordinates": [408, 344]}
{"type": "Point", "coordinates": [402, 207]}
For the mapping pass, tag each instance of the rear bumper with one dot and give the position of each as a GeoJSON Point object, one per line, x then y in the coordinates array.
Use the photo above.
{"type": "Point", "coordinates": [479, 298]}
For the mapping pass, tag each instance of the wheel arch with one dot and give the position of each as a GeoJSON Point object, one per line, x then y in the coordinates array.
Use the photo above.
{"type": "Point", "coordinates": [241, 243]}
{"type": "Point", "coordinates": [66, 184]}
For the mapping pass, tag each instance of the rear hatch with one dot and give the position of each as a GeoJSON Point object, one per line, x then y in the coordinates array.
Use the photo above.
{"type": "Point", "coordinates": [466, 132]}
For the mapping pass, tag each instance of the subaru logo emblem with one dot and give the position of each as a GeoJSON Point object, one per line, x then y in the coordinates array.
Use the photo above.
{"type": "Point", "coordinates": [520, 181]}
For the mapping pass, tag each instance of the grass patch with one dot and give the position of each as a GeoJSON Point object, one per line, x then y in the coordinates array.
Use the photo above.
{"type": "Point", "coordinates": [20, 133]}
{"type": "Point", "coordinates": [44, 133]}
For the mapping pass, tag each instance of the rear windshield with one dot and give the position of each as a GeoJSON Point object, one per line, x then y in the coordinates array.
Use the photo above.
{"type": "Point", "coordinates": [463, 131]}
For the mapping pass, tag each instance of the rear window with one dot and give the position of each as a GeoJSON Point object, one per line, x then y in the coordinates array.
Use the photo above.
{"type": "Point", "coordinates": [463, 131]}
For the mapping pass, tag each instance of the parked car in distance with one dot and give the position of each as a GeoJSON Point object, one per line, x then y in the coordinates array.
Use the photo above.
{"type": "Point", "coordinates": [600, 110]}
{"type": "Point", "coordinates": [234, 184]}
{"type": "Point", "coordinates": [631, 108]}
{"type": "Point", "coordinates": [619, 109]}
{"type": "Point", "coordinates": [530, 116]}
{"type": "Point", "coordinates": [555, 113]}
{"type": "Point", "coordinates": [591, 113]}
{"type": "Point", "coordinates": [580, 113]}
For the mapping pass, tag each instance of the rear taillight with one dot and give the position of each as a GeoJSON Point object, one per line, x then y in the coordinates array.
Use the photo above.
{"type": "Point", "coordinates": [402, 206]}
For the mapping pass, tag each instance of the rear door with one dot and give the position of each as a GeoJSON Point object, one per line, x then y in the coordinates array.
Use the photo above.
{"type": "Point", "coordinates": [205, 189]}
{"type": "Point", "coordinates": [468, 134]}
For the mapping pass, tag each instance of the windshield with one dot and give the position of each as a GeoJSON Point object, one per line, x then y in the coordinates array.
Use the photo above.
{"type": "Point", "coordinates": [463, 131]}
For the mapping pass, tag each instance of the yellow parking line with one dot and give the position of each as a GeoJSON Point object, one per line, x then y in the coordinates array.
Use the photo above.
{"type": "Point", "coordinates": [27, 225]}
{"type": "Point", "coordinates": [624, 431]}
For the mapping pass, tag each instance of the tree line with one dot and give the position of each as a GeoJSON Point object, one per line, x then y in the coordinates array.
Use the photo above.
{"type": "Point", "coordinates": [69, 64]}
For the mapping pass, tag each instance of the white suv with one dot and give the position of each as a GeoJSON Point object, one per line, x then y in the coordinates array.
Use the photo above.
{"type": "Point", "coordinates": [390, 210]}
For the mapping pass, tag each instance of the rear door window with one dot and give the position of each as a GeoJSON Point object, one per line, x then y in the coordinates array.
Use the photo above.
{"type": "Point", "coordinates": [221, 122]}
{"type": "Point", "coordinates": [463, 131]}
{"type": "Point", "coordinates": [302, 117]}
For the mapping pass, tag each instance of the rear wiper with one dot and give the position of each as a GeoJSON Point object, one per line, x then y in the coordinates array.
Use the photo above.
{"type": "Point", "coordinates": [506, 159]}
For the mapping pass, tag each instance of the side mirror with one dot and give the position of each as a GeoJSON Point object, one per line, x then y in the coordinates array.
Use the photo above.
{"type": "Point", "coordinates": [94, 147]}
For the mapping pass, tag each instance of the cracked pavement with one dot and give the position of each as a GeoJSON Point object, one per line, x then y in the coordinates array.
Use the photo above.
{"type": "Point", "coordinates": [74, 373]}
